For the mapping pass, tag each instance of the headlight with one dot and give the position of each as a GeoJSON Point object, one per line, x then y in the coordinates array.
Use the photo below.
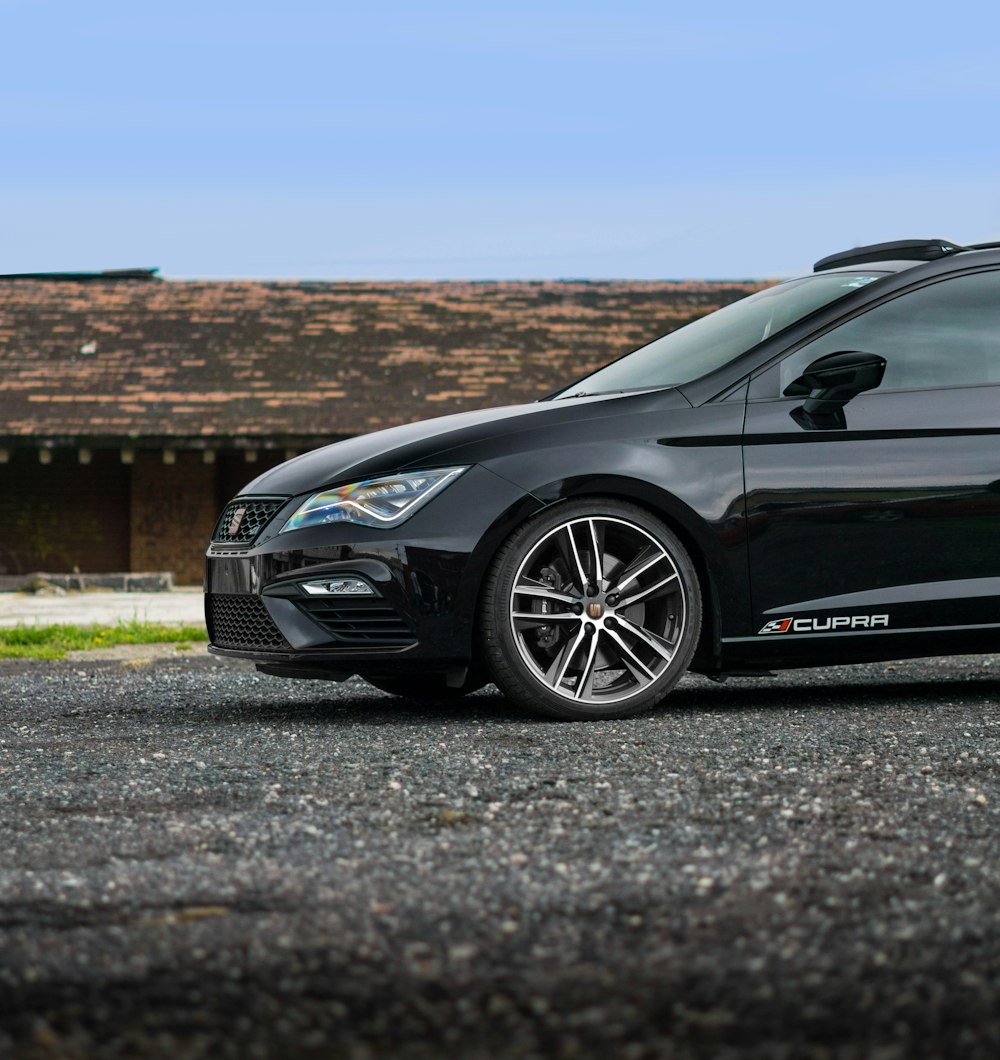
{"type": "Point", "coordinates": [381, 502]}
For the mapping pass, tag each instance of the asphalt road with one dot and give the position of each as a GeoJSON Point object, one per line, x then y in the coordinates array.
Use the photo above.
{"type": "Point", "coordinates": [200, 861]}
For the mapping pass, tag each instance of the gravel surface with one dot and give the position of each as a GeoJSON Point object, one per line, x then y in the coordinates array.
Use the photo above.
{"type": "Point", "coordinates": [201, 861]}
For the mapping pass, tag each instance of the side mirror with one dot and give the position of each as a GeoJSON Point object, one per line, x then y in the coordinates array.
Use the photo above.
{"type": "Point", "coordinates": [829, 383]}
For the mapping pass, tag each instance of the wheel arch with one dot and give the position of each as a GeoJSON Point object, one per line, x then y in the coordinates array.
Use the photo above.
{"type": "Point", "coordinates": [693, 530]}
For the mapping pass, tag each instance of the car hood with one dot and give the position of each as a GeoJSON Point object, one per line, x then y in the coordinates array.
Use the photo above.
{"type": "Point", "coordinates": [465, 438]}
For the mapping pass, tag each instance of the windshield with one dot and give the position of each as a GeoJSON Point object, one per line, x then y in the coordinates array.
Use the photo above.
{"type": "Point", "coordinates": [708, 343]}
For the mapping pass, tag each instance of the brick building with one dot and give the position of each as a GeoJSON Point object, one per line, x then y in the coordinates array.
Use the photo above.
{"type": "Point", "coordinates": [132, 409]}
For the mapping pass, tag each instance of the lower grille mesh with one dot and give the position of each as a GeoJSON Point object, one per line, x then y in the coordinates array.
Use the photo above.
{"type": "Point", "coordinates": [242, 622]}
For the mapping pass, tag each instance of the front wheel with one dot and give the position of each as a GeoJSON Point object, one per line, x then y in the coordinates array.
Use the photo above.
{"type": "Point", "coordinates": [590, 610]}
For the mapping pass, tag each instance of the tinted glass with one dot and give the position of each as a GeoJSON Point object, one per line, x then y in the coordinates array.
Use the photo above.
{"type": "Point", "coordinates": [946, 334]}
{"type": "Point", "coordinates": [706, 344]}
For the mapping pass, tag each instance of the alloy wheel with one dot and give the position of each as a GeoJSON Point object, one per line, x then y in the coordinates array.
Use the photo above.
{"type": "Point", "coordinates": [601, 612]}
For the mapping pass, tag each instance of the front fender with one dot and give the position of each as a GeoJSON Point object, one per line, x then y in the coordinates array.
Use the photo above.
{"type": "Point", "coordinates": [692, 478]}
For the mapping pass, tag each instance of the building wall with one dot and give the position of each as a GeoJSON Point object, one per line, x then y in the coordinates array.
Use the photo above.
{"type": "Point", "coordinates": [64, 515]}
{"type": "Point", "coordinates": [108, 515]}
{"type": "Point", "coordinates": [172, 514]}
{"type": "Point", "coordinates": [233, 471]}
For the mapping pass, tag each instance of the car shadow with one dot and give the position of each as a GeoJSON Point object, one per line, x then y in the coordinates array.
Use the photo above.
{"type": "Point", "coordinates": [839, 694]}
{"type": "Point", "coordinates": [372, 707]}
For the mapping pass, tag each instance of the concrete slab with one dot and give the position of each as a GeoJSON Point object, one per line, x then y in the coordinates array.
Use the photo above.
{"type": "Point", "coordinates": [180, 607]}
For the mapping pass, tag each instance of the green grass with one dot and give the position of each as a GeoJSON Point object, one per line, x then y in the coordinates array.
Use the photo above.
{"type": "Point", "coordinates": [52, 642]}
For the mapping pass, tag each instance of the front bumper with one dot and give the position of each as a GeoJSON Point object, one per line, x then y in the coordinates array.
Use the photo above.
{"type": "Point", "coordinates": [424, 576]}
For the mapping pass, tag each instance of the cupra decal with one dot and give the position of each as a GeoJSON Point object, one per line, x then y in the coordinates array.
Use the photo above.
{"type": "Point", "coordinates": [832, 624]}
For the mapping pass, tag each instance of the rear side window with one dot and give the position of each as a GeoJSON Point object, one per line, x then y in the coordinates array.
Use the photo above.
{"type": "Point", "coordinates": [945, 334]}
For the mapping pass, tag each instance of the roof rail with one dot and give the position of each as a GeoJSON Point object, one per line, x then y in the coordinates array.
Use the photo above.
{"type": "Point", "coordinates": [106, 276]}
{"type": "Point", "coordinates": [900, 250]}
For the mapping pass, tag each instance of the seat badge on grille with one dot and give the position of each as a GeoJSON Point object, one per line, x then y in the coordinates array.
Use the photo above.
{"type": "Point", "coordinates": [234, 525]}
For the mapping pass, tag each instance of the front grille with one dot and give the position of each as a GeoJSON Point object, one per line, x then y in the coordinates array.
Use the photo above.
{"type": "Point", "coordinates": [245, 517]}
{"type": "Point", "coordinates": [242, 622]}
{"type": "Point", "coordinates": [360, 623]}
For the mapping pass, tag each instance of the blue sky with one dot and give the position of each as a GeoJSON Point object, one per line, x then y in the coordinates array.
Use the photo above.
{"type": "Point", "coordinates": [491, 140]}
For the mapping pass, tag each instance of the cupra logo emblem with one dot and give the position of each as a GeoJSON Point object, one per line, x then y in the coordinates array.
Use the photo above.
{"type": "Point", "coordinates": [834, 624]}
{"type": "Point", "coordinates": [234, 526]}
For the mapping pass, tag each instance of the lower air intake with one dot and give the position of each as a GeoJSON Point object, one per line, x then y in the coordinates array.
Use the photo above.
{"type": "Point", "coordinates": [361, 624]}
{"type": "Point", "coordinates": [242, 623]}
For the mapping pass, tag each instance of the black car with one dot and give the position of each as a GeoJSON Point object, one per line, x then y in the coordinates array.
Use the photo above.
{"type": "Point", "coordinates": [810, 475]}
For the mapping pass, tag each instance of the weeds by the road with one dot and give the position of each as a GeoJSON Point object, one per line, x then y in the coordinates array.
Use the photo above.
{"type": "Point", "coordinates": [52, 642]}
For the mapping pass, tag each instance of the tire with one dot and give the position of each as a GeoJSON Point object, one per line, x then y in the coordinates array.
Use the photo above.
{"type": "Point", "coordinates": [427, 686]}
{"type": "Point", "coordinates": [578, 641]}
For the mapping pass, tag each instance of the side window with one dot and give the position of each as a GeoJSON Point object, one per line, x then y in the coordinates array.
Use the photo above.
{"type": "Point", "coordinates": [945, 334]}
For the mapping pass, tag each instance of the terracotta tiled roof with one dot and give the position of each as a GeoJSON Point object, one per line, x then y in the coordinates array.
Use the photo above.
{"type": "Point", "coordinates": [248, 360]}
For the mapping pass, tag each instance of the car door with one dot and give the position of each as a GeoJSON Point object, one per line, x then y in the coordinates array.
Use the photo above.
{"type": "Point", "coordinates": [876, 531]}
